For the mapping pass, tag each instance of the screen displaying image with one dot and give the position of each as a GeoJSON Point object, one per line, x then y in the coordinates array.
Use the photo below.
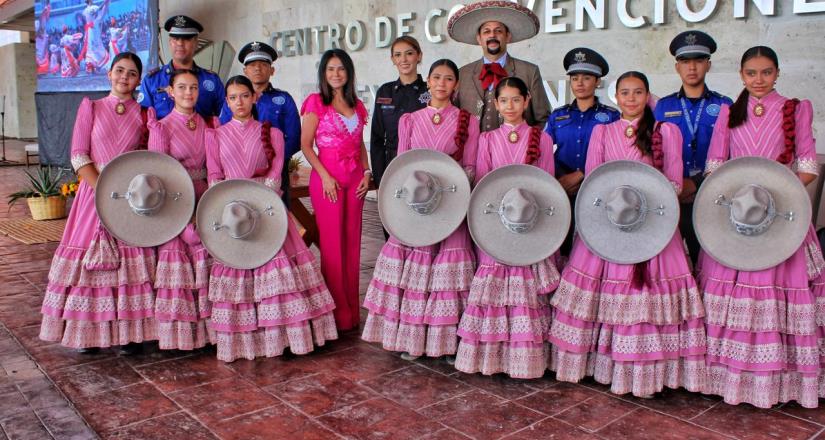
{"type": "Point", "coordinates": [76, 40]}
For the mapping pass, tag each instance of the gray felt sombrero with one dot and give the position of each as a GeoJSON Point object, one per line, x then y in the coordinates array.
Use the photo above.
{"type": "Point", "coordinates": [242, 223]}
{"type": "Point", "coordinates": [751, 213]}
{"type": "Point", "coordinates": [144, 198]}
{"type": "Point", "coordinates": [423, 197]}
{"type": "Point", "coordinates": [519, 215]}
{"type": "Point", "coordinates": [463, 26]}
{"type": "Point", "coordinates": [626, 211]}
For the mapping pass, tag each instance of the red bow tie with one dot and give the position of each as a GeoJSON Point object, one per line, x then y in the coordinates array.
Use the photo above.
{"type": "Point", "coordinates": [491, 74]}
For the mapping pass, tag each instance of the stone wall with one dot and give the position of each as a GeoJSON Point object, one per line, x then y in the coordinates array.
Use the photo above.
{"type": "Point", "coordinates": [798, 38]}
{"type": "Point", "coordinates": [18, 83]}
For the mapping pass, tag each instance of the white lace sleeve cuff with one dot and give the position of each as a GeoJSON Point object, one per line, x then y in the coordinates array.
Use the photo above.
{"type": "Point", "coordinates": [712, 165]}
{"type": "Point", "coordinates": [273, 183]}
{"type": "Point", "coordinates": [80, 160]}
{"type": "Point", "coordinates": [809, 166]}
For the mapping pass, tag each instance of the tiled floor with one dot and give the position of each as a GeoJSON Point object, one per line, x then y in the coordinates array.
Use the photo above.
{"type": "Point", "coordinates": [347, 389]}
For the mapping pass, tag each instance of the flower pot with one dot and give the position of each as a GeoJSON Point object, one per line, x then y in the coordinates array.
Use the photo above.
{"type": "Point", "coordinates": [294, 178]}
{"type": "Point", "coordinates": [47, 208]}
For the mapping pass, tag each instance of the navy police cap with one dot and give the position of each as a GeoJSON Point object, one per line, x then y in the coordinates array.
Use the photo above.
{"type": "Point", "coordinates": [584, 60]}
{"type": "Point", "coordinates": [692, 44]}
{"type": "Point", "coordinates": [182, 26]}
{"type": "Point", "coordinates": [257, 51]}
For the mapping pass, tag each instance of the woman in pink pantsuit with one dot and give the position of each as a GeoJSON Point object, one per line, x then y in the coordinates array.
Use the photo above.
{"type": "Point", "coordinates": [417, 294]}
{"type": "Point", "coordinates": [334, 121]}
{"type": "Point", "coordinates": [637, 327]}
{"type": "Point", "coordinates": [284, 303]}
{"type": "Point", "coordinates": [94, 301]}
{"type": "Point", "coordinates": [766, 329]}
{"type": "Point", "coordinates": [182, 307]}
{"type": "Point", "coordinates": [504, 325]}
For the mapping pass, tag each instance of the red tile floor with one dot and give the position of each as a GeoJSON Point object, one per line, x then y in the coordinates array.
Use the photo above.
{"type": "Point", "coordinates": [347, 389]}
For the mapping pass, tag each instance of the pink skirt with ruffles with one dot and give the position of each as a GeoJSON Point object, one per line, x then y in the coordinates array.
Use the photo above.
{"type": "Point", "coordinates": [282, 304]}
{"type": "Point", "coordinates": [504, 328]}
{"type": "Point", "coordinates": [417, 295]}
{"type": "Point", "coordinates": [182, 307]}
{"type": "Point", "coordinates": [86, 308]}
{"type": "Point", "coordinates": [766, 343]}
{"type": "Point", "coordinates": [636, 331]}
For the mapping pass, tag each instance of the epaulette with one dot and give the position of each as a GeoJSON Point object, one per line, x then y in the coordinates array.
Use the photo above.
{"type": "Point", "coordinates": [154, 71]}
{"type": "Point", "coordinates": [565, 107]}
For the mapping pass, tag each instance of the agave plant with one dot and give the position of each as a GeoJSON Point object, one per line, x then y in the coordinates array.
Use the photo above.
{"type": "Point", "coordinates": [293, 164]}
{"type": "Point", "coordinates": [45, 182]}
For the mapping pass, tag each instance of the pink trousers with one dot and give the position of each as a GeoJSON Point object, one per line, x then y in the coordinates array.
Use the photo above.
{"type": "Point", "coordinates": [339, 230]}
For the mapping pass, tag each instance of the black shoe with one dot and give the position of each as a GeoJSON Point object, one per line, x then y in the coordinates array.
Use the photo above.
{"type": "Point", "coordinates": [131, 349]}
{"type": "Point", "coordinates": [89, 350]}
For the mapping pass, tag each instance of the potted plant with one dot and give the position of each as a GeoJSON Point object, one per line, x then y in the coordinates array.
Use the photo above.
{"type": "Point", "coordinates": [42, 194]}
{"type": "Point", "coordinates": [292, 168]}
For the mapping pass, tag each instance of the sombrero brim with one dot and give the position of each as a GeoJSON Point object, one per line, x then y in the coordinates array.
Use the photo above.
{"type": "Point", "coordinates": [139, 230]}
{"type": "Point", "coordinates": [608, 241]}
{"type": "Point", "coordinates": [256, 249]}
{"type": "Point", "coordinates": [508, 247]}
{"type": "Point", "coordinates": [749, 253]}
{"type": "Point", "coordinates": [522, 22]}
{"type": "Point", "coordinates": [409, 227]}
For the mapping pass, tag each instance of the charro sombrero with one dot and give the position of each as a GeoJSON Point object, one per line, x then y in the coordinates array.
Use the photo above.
{"type": "Point", "coordinates": [463, 26]}
{"type": "Point", "coordinates": [626, 211]}
{"type": "Point", "coordinates": [423, 197]}
{"type": "Point", "coordinates": [751, 213]}
{"type": "Point", "coordinates": [242, 223]}
{"type": "Point", "coordinates": [519, 214]}
{"type": "Point", "coordinates": [144, 198]}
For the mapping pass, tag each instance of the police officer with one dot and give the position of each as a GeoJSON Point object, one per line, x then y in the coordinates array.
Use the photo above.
{"type": "Point", "coordinates": [406, 94]}
{"type": "Point", "coordinates": [570, 126]}
{"type": "Point", "coordinates": [183, 33]}
{"type": "Point", "coordinates": [273, 105]}
{"type": "Point", "coordinates": [694, 109]}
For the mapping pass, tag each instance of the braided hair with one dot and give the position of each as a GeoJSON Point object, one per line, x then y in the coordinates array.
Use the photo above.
{"type": "Point", "coordinates": [533, 153]}
{"type": "Point", "coordinates": [266, 138]}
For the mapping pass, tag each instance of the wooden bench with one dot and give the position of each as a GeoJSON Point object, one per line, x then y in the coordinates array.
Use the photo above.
{"type": "Point", "coordinates": [32, 150]}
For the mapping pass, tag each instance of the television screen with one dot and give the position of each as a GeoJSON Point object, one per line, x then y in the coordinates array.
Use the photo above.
{"type": "Point", "coordinates": [76, 40]}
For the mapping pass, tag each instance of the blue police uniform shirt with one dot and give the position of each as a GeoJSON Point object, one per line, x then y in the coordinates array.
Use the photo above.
{"type": "Point", "coordinates": [279, 109]}
{"type": "Point", "coordinates": [570, 129]}
{"type": "Point", "coordinates": [672, 109]}
{"type": "Point", "coordinates": [210, 92]}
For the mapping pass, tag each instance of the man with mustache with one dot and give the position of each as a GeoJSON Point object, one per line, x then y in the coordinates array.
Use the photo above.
{"type": "Point", "coordinates": [493, 25]}
{"type": "Point", "coordinates": [694, 109]}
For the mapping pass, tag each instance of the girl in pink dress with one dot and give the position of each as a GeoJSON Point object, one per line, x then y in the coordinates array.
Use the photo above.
{"type": "Point", "coordinates": [284, 303]}
{"type": "Point", "coordinates": [182, 276]}
{"type": "Point", "coordinates": [96, 298]}
{"type": "Point", "coordinates": [504, 326]}
{"type": "Point", "coordinates": [333, 120]}
{"type": "Point", "coordinates": [764, 326]}
{"type": "Point", "coordinates": [417, 294]}
{"type": "Point", "coordinates": [637, 327]}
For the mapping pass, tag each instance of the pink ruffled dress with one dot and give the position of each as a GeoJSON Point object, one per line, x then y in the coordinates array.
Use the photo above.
{"type": "Point", "coordinates": [182, 307]}
{"type": "Point", "coordinates": [417, 294]}
{"type": "Point", "coordinates": [99, 292]}
{"type": "Point", "coordinates": [637, 327]}
{"type": "Point", "coordinates": [766, 329]}
{"type": "Point", "coordinates": [504, 326]}
{"type": "Point", "coordinates": [282, 304]}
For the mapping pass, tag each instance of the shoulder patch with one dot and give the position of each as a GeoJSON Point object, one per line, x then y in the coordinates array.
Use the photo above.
{"type": "Point", "coordinates": [209, 85]}
{"type": "Point", "coordinates": [713, 109]}
{"type": "Point", "coordinates": [602, 117]}
{"type": "Point", "coordinates": [278, 100]}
